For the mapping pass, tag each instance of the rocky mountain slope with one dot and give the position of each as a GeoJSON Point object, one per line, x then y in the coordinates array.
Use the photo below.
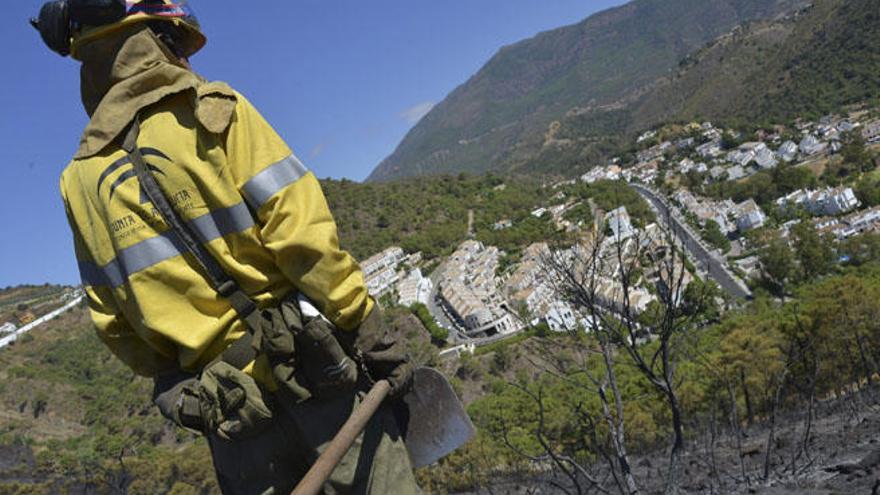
{"type": "Point", "coordinates": [814, 62]}
{"type": "Point", "coordinates": [493, 119]}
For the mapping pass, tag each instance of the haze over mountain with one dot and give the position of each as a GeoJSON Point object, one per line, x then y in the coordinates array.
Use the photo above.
{"type": "Point", "coordinates": [497, 120]}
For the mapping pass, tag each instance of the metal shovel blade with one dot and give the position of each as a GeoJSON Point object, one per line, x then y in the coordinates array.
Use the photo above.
{"type": "Point", "coordinates": [437, 423]}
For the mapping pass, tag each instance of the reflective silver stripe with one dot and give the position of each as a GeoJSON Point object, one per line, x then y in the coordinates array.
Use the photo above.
{"type": "Point", "coordinates": [142, 256]}
{"type": "Point", "coordinates": [222, 222]}
{"type": "Point", "coordinates": [270, 181]}
{"type": "Point", "coordinates": [130, 260]}
{"type": "Point", "coordinates": [153, 251]}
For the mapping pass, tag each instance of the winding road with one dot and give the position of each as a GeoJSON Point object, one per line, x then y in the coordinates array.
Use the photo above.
{"type": "Point", "coordinates": [707, 261]}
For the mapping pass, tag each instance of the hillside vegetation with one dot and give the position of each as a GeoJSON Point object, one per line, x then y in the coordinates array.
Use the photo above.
{"type": "Point", "coordinates": [429, 216]}
{"type": "Point", "coordinates": [432, 216]}
{"type": "Point", "coordinates": [806, 66]}
{"type": "Point", "coordinates": [74, 419]}
{"type": "Point", "coordinates": [737, 377]}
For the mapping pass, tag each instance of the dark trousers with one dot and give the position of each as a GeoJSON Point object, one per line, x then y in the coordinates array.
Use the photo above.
{"type": "Point", "coordinates": [275, 460]}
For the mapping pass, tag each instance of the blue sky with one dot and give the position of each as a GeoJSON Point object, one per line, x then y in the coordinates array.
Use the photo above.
{"type": "Point", "coordinates": [341, 81]}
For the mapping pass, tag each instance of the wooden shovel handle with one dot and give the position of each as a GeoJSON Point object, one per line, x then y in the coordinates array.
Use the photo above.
{"type": "Point", "coordinates": [313, 481]}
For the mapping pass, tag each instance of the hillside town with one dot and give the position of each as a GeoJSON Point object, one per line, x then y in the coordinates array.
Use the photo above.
{"type": "Point", "coordinates": [477, 300]}
{"type": "Point", "coordinates": [471, 295]}
{"type": "Point", "coordinates": [707, 155]}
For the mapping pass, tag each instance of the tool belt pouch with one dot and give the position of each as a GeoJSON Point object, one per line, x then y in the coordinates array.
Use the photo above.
{"type": "Point", "coordinates": [232, 405]}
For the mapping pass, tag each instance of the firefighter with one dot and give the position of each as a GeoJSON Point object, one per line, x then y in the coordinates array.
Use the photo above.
{"type": "Point", "coordinates": [268, 384]}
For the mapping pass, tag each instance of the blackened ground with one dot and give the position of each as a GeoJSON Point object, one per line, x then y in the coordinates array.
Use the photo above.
{"type": "Point", "coordinates": [841, 457]}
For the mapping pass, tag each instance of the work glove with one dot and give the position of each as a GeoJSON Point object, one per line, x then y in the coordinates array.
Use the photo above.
{"type": "Point", "coordinates": [176, 394]}
{"type": "Point", "coordinates": [307, 359]}
{"type": "Point", "coordinates": [224, 401]}
{"type": "Point", "coordinates": [384, 356]}
{"type": "Point", "coordinates": [279, 347]}
{"type": "Point", "coordinates": [328, 369]}
{"type": "Point", "coordinates": [231, 403]}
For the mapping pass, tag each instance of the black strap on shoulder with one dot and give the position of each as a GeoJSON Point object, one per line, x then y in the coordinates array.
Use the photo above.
{"type": "Point", "coordinates": [242, 352]}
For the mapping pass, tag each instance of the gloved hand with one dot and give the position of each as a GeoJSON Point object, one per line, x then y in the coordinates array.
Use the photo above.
{"type": "Point", "coordinates": [231, 403]}
{"type": "Point", "coordinates": [306, 357]}
{"type": "Point", "coordinates": [384, 357]}
{"type": "Point", "coordinates": [224, 401]}
{"type": "Point", "coordinates": [176, 394]}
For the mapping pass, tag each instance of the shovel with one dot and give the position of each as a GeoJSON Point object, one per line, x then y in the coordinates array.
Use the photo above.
{"type": "Point", "coordinates": [436, 426]}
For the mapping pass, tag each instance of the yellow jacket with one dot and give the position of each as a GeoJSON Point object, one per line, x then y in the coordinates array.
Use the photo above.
{"type": "Point", "coordinates": [257, 208]}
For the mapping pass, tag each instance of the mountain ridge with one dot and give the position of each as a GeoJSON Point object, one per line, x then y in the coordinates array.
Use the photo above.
{"type": "Point", "coordinates": [818, 61]}
{"type": "Point", "coordinates": [483, 123]}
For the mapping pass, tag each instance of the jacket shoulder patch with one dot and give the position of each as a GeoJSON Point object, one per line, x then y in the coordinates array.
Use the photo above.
{"type": "Point", "coordinates": [215, 106]}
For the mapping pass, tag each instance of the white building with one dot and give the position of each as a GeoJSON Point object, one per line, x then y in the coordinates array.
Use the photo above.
{"type": "Point", "coordinates": [840, 200]}
{"type": "Point", "coordinates": [388, 258]}
{"type": "Point", "coordinates": [8, 328]}
{"type": "Point", "coordinates": [793, 199]}
{"type": "Point", "coordinates": [619, 223]}
{"type": "Point", "coordinates": [766, 159]}
{"type": "Point", "coordinates": [686, 165]}
{"type": "Point", "coordinates": [469, 291]}
{"type": "Point", "coordinates": [746, 153]}
{"type": "Point", "coordinates": [847, 126]}
{"type": "Point", "coordinates": [477, 315]}
{"type": "Point", "coordinates": [610, 172]}
{"type": "Point", "coordinates": [749, 216]}
{"type": "Point", "coordinates": [561, 317]}
{"type": "Point", "coordinates": [705, 209]}
{"type": "Point", "coordinates": [380, 270]}
{"type": "Point", "coordinates": [828, 132]}
{"type": "Point", "coordinates": [685, 143]}
{"type": "Point", "coordinates": [864, 220]}
{"type": "Point", "coordinates": [828, 201]}
{"type": "Point", "coordinates": [488, 322]}
{"type": "Point", "coordinates": [712, 149]}
{"type": "Point", "coordinates": [380, 282]}
{"type": "Point", "coordinates": [811, 145]}
{"type": "Point", "coordinates": [653, 153]}
{"type": "Point", "coordinates": [414, 289]}
{"type": "Point", "coordinates": [788, 151]}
